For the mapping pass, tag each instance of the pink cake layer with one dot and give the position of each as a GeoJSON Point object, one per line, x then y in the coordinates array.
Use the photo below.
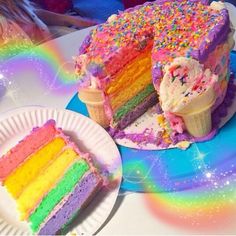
{"type": "Point", "coordinates": [31, 143]}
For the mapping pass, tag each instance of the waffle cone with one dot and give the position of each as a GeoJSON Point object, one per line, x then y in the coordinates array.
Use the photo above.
{"type": "Point", "coordinates": [198, 124]}
{"type": "Point", "coordinates": [94, 102]}
{"type": "Point", "coordinates": [197, 114]}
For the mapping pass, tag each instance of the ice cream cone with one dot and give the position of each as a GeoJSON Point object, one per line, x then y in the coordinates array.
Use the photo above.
{"type": "Point", "coordinates": [95, 105]}
{"type": "Point", "coordinates": [198, 124]}
{"type": "Point", "coordinates": [188, 90]}
{"type": "Point", "coordinates": [197, 116]}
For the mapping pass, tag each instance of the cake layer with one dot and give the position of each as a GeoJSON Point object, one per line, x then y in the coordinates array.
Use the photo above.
{"type": "Point", "coordinates": [29, 170]}
{"type": "Point", "coordinates": [114, 61]}
{"type": "Point", "coordinates": [130, 117]}
{"type": "Point", "coordinates": [36, 190]}
{"type": "Point", "coordinates": [128, 74]}
{"type": "Point", "coordinates": [82, 193]}
{"type": "Point", "coordinates": [46, 179]}
{"type": "Point", "coordinates": [64, 187]}
{"type": "Point", "coordinates": [130, 91]}
{"type": "Point", "coordinates": [109, 59]}
{"type": "Point", "coordinates": [26, 147]}
{"type": "Point", "coordinates": [131, 104]}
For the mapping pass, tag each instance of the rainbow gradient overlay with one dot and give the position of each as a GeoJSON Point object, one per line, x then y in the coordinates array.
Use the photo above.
{"type": "Point", "coordinates": [46, 64]}
{"type": "Point", "coordinates": [194, 189]}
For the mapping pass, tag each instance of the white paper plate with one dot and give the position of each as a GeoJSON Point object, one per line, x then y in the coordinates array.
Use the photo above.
{"type": "Point", "coordinates": [90, 137]}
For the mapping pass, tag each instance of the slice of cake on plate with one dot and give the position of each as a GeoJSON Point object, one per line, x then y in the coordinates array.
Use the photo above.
{"type": "Point", "coordinates": [49, 178]}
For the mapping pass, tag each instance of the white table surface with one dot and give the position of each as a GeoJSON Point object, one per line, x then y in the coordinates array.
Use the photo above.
{"type": "Point", "coordinates": [131, 215]}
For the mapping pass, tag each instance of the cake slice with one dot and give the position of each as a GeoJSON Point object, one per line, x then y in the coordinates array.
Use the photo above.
{"type": "Point", "coordinates": [51, 180]}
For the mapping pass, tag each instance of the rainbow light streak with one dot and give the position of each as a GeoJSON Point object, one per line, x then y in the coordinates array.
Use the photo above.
{"type": "Point", "coordinates": [46, 61]}
{"type": "Point", "coordinates": [205, 209]}
{"type": "Point", "coordinates": [208, 201]}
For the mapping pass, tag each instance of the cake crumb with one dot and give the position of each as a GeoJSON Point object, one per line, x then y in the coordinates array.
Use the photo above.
{"type": "Point", "coordinates": [183, 145]}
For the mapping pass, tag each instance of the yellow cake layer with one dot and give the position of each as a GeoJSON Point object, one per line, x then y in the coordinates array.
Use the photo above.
{"type": "Point", "coordinates": [28, 171]}
{"type": "Point", "coordinates": [129, 73]}
{"type": "Point", "coordinates": [130, 91]}
{"type": "Point", "coordinates": [133, 78]}
{"type": "Point", "coordinates": [36, 190]}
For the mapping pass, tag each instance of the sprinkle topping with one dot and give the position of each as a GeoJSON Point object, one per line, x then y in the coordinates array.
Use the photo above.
{"type": "Point", "coordinates": [171, 28]}
{"type": "Point", "coordinates": [177, 26]}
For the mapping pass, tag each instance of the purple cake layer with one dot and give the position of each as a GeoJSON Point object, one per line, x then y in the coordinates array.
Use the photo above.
{"type": "Point", "coordinates": [79, 197]}
{"type": "Point", "coordinates": [149, 101]}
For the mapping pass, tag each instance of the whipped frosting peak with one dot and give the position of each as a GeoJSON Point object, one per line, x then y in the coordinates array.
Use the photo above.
{"type": "Point", "coordinates": [217, 5]}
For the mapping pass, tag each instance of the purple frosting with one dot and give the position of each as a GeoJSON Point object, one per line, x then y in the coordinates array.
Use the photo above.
{"type": "Point", "coordinates": [215, 37]}
{"type": "Point", "coordinates": [159, 109]}
{"type": "Point", "coordinates": [81, 193]}
{"type": "Point", "coordinates": [96, 69]}
{"type": "Point", "coordinates": [205, 2]}
{"type": "Point", "coordinates": [147, 137]}
{"type": "Point", "coordinates": [222, 110]}
{"type": "Point", "coordinates": [157, 73]}
{"type": "Point", "coordinates": [85, 44]}
{"type": "Point", "coordinates": [207, 137]}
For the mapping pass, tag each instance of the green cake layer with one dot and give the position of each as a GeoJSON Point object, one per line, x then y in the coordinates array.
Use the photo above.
{"type": "Point", "coordinates": [131, 104]}
{"type": "Point", "coordinates": [64, 187]}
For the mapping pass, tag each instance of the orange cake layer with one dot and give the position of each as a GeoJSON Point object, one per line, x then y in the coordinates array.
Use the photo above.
{"type": "Point", "coordinates": [129, 73]}
{"type": "Point", "coordinates": [131, 91]}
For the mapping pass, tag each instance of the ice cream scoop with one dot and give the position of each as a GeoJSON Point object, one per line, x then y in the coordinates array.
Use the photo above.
{"type": "Point", "coordinates": [188, 91]}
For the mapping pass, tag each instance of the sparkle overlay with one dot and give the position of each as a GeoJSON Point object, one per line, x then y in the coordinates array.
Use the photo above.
{"type": "Point", "coordinates": [44, 64]}
{"type": "Point", "coordinates": [192, 189]}
{"type": "Point", "coordinates": [200, 210]}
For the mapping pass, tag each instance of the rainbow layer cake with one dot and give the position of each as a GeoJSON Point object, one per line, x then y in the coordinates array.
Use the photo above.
{"type": "Point", "coordinates": [175, 53]}
{"type": "Point", "coordinates": [50, 179]}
